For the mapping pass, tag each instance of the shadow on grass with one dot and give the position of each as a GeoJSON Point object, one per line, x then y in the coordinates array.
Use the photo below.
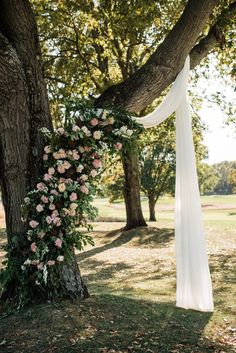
{"type": "Point", "coordinates": [105, 324]}
{"type": "Point", "coordinates": [142, 236]}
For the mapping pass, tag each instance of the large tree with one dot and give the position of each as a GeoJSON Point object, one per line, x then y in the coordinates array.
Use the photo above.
{"type": "Point", "coordinates": [24, 110]}
{"type": "Point", "coordinates": [24, 102]}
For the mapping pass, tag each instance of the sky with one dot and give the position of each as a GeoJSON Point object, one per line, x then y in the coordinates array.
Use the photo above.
{"type": "Point", "coordinates": [219, 138]}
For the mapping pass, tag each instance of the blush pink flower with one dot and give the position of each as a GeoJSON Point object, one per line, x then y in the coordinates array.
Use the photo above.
{"type": "Point", "coordinates": [58, 243]}
{"type": "Point", "coordinates": [93, 173]}
{"type": "Point", "coordinates": [94, 122]}
{"type": "Point", "coordinates": [47, 149]}
{"type": "Point", "coordinates": [84, 189]}
{"type": "Point", "coordinates": [33, 247]}
{"type": "Point", "coordinates": [48, 220]}
{"type": "Point", "coordinates": [61, 169]}
{"type": "Point", "coordinates": [51, 171]}
{"type": "Point", "coordinates": [51, 262]}
{"type": "Point", "coordinates": [61, 130]}
{"type": "Point", "coordinates": [40, 266]}
{"type": "Point", "coordinates": [118, 145]}
{"type": "Point", "coordinates": [54, 192]}
{"type": "Point", "coordinates": [44, 199]}
{"type": "Point", "coordinates": [56, 220]}
{"type": "Point", "coordinates": [73, 196]}
{"type": "Point", "coordinates": [45, 157]}
{"type": "Point", "coordinates": [33, 224]}
{"type": "Point", "coordinates": [97, 163]}
{"type": "Point", "coordinates": [39, 208]}
{"type": "Point", "coordinates": [75, 155]}
{"type": "Point", "coordinates": [47, 177]}
{"type": "Point", "coordinates": [40, 186]}
{"type": "Point", "coordinates": [87, 148]}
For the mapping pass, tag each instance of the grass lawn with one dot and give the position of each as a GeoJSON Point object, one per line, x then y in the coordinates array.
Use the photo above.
{"type": "Point", "coordinates": [131, 279]}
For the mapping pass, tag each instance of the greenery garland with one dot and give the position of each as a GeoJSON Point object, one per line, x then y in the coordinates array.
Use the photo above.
{"type": "Point", "coordinates": [60, 205]}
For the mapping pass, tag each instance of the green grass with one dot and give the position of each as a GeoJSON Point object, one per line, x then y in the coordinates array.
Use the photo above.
{"type": "Point", "coordinates": [131, 279]}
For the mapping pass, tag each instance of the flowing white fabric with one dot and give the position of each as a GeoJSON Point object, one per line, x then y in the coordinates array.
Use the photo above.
{"type": "Point", "coordinates": [194, 290]}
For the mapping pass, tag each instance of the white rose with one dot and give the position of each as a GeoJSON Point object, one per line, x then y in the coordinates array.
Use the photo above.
{"type": "Point", "coordinates": [97, 135]}
{"type": "Point", "coordinates": [79, 168]}
{"type": "Point", "coordinates": [84, 177]}
{"type": "Point", "coordinates": [129, 132]}
{"type": "Point", "coordinates": [60, 258]}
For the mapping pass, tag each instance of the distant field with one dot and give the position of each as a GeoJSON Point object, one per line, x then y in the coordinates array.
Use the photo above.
{"type": "Point", "coordinates": [216, 209]}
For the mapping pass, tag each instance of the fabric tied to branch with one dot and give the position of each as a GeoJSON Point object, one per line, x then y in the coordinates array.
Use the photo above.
{"type": "Point", "coordinates": [194, 289]}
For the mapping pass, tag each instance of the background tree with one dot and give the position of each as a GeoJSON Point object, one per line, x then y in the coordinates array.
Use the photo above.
{"type": "Point", "coordinates": [224, 170]}
{"type": "Point", "coordinates": [207, 177]}
{"type": "Point", "coordinates": [232, 179]}
{"type": "Point", "coordinates": [87, 51]}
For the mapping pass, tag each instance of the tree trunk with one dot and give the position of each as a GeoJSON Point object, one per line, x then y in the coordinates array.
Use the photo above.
{"type": "Point", "coordinates": [152, 204]}
{"type": "Point", "coordinates": [24, 110]}
{"type": "Point", "coordinates": [134, 214]}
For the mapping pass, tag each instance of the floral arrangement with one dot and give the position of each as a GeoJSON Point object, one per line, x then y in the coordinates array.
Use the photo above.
{"type": "Point", "coordinates": [60, 205]}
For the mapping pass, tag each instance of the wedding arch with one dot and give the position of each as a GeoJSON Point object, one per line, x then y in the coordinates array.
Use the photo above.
{"type": "Point", "coordinates": [60, 204]}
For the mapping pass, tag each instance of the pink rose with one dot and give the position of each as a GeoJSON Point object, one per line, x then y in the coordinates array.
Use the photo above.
{"type": "Point", "coordinates": [40, 266]}
{"type": "Point", "coordinates": [55, 214]}
{"type": "Point", "coordinates": [94, 122]}
{"type": "Point", "coordinates": [33, 224]}
{"type": "Point", "coordinates": [48, 220]}
{"type": "Point", "coordinates": [57, 221]}
{"type": "Point", "coordinates": [45, 157]}
{"type": "Point", "coordinates": [47, 149]}
{"type": "Point", "coordinates": [54, 192]}
{"type": "Point", "coordinates": [118, 145]}
{"type": "Point", "coordinates": [75, 155]}
{"type": "Point", "coordinates": [73, 196]}
{"type": "Point", "coordinates": [44, 199]}
{"type": "Point", "coordinates": [97, 163]}
{"type": "Point", "coordinates": [51, 171]}
{"type": "Point", "coordinates": [61, 130]}
{"type": "Point", "coordinates": [87, 148]}
{"type": "Point", "coordinates": [39, 208]}
{"type": "Point", "coordinates": [93, 173]}
{"type": "Point", "coordinates": [58, 243]}
{"type": "Point", "coordinates": [40, 186]}
{"type": "Point", "coordinates": [61, 169]}
{"type": "Point", "coordinates": [33, 247]}
{"type": "Point", "coordinates": [47, 177]}
{"type": "Point", "coordinates": [51, 262]}
{"type": "Point", "coordinates": [84, 189]}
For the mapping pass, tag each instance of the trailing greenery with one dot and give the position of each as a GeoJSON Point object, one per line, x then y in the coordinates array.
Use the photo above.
{"type": "Point", "coordinates": [60, 205]}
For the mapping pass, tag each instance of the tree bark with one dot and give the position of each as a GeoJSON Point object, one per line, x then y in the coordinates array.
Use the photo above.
{"type": "Point", "coordinates": [152, 204]}
{"type": "Point", "coordinates": [24, 110]}
{"type": "Point", "coordinates": [132, 190]}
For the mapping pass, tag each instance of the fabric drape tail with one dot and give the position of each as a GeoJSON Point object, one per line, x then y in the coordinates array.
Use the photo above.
{"type": "Point", "coordinates": [193, 277]}
{"type": "Point", "coordinates": [194, 290]}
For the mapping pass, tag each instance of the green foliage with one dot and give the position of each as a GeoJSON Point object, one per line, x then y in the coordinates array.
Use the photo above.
{"type": "Point", "coordinates": [60, 205]}
{"type": "Point", "coordinates": [225, 170]}
{"type": "Point", "coordinates": [207, 178]}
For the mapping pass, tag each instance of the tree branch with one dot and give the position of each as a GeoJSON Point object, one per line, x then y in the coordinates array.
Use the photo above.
{"type": "Point", "coordinates": [214, 37]}
{"type": "Point", "coordinates": [147, 83]}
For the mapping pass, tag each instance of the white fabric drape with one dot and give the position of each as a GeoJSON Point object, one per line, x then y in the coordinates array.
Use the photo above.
{"type": "Point", "coordinates": [194, 290]}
